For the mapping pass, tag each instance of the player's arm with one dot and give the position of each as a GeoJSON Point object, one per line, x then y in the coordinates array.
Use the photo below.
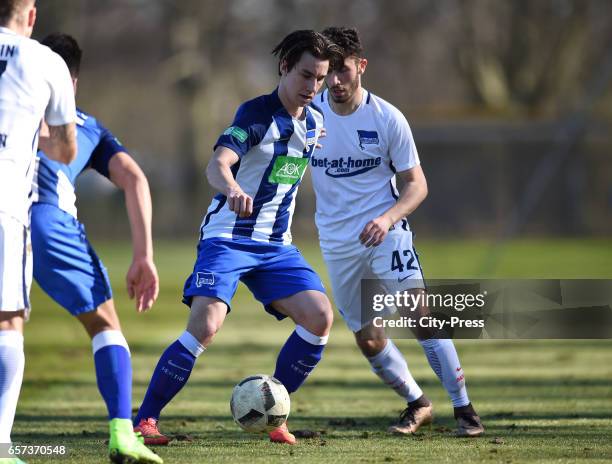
{"type": "Point", "coordinates": [412, 195]}
{"type": "Point", "coordinates": [57, 136]}
{"type": "Point", "coordinates": [58, 142]}
{"type": "Point", "coordinates": [220, 177]}
{"type": "Point", "coordinates": [142, 279]}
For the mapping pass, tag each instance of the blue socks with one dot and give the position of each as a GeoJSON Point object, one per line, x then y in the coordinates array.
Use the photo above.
{"type": "Point", "coordinates": [114, 372]}
{"type": "Point", "coordinates": [170, 375]}
{"type": "Point", "coordinates": [296, 360]}
{"type": "Point", "coordinates": [298, 357]}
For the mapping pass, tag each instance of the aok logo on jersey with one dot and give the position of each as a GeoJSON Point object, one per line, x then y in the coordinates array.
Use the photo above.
{"type": "Point", "coordinates": [346, 167]}
{"type": "Point", "coordinates": [288, 170]}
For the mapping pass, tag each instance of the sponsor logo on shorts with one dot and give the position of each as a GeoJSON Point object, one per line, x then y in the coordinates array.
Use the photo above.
{"type": "Point", "coordinates": [204, 278]}
{"type": "Point", "coordinates": [367, 138]}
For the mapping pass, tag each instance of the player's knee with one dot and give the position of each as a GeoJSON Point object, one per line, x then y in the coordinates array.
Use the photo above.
{"type": "Point", "coordinates": [370, 347]}
{"type": "Point", "coordinates": [206, 319]}
{"type": "Point", "coordinates": [323, 317]}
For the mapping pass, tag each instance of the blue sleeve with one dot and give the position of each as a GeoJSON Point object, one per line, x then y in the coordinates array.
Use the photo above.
{"type": "Point", "coordinates": [107, 147]}
{"type": "Point", "coordinates": [248, 129]}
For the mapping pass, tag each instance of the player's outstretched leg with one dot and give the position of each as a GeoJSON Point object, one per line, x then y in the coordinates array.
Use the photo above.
{"type": "Point", "coordinates": [311, 311]}
{"type": "Point", "coordinates": [391, 367]}
{"type": "Point", "coordinates": [114, 377]}
{"type": "Point", "coordinates": [11, 370]}
{"type": "Point", "coordinates": [444, 361]}
{"type": "Point", "coordinates": [175, 365]}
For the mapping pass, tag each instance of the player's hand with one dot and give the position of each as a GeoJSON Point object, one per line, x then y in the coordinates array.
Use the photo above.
{"type": "Point", "coordinates": [322, 133]}
{"type": "Point", "coordinates": [375, 231]}
{"type": "Point", "coordinates": [143, 283]}
{"type": "Point", "coordinates": [239, 202]}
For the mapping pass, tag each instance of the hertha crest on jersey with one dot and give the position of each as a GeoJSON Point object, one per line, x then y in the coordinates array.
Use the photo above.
{"type": "Point", "coordinates": [367, 138]}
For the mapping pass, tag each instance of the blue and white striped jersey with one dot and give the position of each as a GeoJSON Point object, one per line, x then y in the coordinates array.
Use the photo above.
{"type": "Point", "coordinates": [54, 182]}
{"type": "Point", "coordinates": [274, 150]}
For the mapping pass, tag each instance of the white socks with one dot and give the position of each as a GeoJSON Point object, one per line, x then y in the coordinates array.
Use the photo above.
{"type": "Point", "coordinates": [107, 338]}
{"type": "Point", "coordinates": [191, 344]}
{"type": "Point", "coordinates": [392, 368]}
{"type": "Point", "coordinates": [12, 361]}
{"type": "Point", "coordinates": [444, 361]}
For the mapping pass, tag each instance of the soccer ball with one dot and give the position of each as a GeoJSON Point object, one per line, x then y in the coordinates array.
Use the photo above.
{"type": "Point", "coordinates": [260, 403]}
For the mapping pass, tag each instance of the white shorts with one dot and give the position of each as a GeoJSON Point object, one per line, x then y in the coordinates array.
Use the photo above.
{"type": "Point", "coordinates": [394, 262]}
{"type": "Point", "coordinates": [15, 265]}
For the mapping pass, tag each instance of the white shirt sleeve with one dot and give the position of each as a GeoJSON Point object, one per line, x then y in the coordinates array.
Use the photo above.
{"type": "Point", "coordinates": [402, 150]}
{"type": "Point", "coordinates": [61, 109]}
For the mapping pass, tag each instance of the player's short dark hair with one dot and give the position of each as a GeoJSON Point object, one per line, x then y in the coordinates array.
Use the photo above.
{"type": "Point", "coordinates": [291, 48]}
{"type": "Point", "coordinates": [8, 8]}
{"type": "Point", "coordinates": [68, 48]}
{"type": "Point", "coordinates": [347, 38]}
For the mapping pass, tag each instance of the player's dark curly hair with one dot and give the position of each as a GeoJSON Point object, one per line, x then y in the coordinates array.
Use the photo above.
{"type": "Point", "coordinates": [68, 48]}
{"type": "Point", "coordinates": [347, 38]}
{"type": "Point", "coordinates": [291, 48]}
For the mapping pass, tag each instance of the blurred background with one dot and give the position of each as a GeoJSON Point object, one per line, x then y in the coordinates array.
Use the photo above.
{"type": "Point", "coordinates": [510, 102]}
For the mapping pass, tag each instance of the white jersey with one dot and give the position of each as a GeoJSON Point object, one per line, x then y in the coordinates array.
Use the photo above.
{"type": "Point", "coordinates": [34, 83]}
{"type": "Point", "coordinates": [354, 173]}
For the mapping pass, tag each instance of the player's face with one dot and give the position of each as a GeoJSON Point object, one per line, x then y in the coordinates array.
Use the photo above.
{"type": "Point", "coordinates": [344, 82]}
{"type": "Point", "coordinates": [302, 83]}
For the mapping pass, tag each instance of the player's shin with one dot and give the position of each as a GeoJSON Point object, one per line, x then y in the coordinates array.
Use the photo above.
{"type": "Point", "coordinates": [170, 375]}
{"type": "Point", "coordinates": [11, 376]}
{"type": "Point", "coordinates": [299, 356]}
{"type": "Point", "coordinates": [444, 361]}
{"type": "Point", "coordinates": [393, 370]}
{"type": "Point", "coordinates": [114, 372]}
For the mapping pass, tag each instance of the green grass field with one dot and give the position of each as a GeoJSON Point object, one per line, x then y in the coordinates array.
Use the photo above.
{"type": "Point", "coordinates": [541, 401]}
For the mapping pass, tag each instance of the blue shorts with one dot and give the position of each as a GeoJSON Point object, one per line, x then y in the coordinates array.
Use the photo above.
{"type": "Point", "coordinates": [65, 265]}
{"type": "Point", "coordinates": [271, 272]}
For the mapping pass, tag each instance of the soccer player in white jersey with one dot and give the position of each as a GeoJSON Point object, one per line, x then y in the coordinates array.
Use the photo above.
{"type": "Point", "coordinates": [364, 232]}
{"type": "Point", "coordinates": [34, 84]}
{"type": "Point", "coordinates": [256, 167]}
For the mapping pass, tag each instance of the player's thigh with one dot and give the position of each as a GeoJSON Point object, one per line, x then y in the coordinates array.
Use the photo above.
{"type": "Point", "coordinates": [66, 266]}
{"type": "Point", "coordinates": [346, 275]}
{"type": "Point", "coordinates": [15, 266]}
{"type": "Point", "coordinates": [287, 285]}
{"type": "Point", "coordinates": [395, 262]}
{"type": "Point", "coordinates": [309, 308]}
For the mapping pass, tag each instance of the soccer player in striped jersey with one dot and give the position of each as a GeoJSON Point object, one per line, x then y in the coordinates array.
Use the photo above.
{"type": "Point", "coordinates": [69, 271]}
{"type": "Point", "coordinates": [34, 85]}
{"type": "Point", "coordinates": [364, 233]}
{"type": "Point", "coordinates": [257, 166]}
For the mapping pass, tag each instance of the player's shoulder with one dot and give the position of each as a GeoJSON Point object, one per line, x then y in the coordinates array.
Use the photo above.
{"type": "Point", "coordinates": [260, 109]}
{"type": "Point", "coordinates": [382, 108]}
{"type": "Point", "coordinates": [86, 120]}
